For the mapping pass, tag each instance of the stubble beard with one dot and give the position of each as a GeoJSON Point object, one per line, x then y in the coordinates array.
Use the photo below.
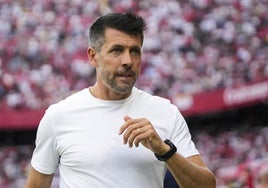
{"type": "Point", "coordinates": [124, 88]}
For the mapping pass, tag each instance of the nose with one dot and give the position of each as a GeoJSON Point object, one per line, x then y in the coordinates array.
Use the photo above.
{"type": "Point", "coordinates": [127, 59]}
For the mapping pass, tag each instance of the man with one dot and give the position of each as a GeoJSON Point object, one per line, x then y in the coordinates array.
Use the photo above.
{"type": "Point", "coordinates": [85, 135]}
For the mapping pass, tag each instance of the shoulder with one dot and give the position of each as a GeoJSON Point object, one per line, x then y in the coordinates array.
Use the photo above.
{"type": "Point", "coordinates": [154, 102]}
{"type": "Point", "coordinates": [76, 99]}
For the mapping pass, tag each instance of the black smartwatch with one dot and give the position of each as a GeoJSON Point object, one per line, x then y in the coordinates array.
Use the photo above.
{"type": "Point", "coordinates": [167, 155]}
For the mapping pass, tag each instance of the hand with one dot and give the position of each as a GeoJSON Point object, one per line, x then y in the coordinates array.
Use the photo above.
{"type": "Point", "coordinates": [138, 131]}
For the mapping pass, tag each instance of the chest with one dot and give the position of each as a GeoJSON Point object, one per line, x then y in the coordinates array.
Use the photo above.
{"type": "Point", "coordinates": [93, 142]}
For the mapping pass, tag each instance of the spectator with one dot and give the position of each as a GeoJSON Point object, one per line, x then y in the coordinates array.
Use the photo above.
{"type": "Point", "coordinates": [219, 44]}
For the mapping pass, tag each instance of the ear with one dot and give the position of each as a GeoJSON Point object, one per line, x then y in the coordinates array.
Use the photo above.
{"type": "Point", "coordinates": [92, 56]}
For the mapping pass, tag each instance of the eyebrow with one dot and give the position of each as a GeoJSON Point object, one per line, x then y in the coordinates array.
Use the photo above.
{"type": "Point", "coordinates": [123, 46]}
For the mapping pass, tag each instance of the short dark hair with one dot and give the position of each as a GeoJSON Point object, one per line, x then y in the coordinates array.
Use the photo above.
{"type": "Point", "coordinates": [126, 22]}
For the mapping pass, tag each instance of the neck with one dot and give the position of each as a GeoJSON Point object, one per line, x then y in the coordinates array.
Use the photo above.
{"type": "Point", "coordinates": [107, 95]}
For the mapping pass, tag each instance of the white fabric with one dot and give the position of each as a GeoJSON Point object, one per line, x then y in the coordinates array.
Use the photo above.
{"type": "Point", "coordinates": [79, 135]}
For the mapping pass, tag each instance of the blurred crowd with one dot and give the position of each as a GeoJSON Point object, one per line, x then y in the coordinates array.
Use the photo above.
{"type": "Point", "coordinates": [237, 157]}
{"type": "Point", "coordinates": [14, 163]}
{"type": "Point", "coordinates": [190, 46]}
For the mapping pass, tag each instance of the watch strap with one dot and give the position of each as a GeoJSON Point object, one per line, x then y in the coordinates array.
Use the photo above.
{"type": "Point", "coordinates": [167, 155]}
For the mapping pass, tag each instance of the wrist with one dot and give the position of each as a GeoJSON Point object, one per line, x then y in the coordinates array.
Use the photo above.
{"type": "Point", "coordinates": [168, 151]}
{"type": "Point", "coordinates": [164, 149]}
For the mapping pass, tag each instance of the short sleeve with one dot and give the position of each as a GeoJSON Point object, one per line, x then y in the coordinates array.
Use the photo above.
{"type": "Point", "coordinates": [182, 138]}
{"type": "Point", "coordinates": [45, 156]}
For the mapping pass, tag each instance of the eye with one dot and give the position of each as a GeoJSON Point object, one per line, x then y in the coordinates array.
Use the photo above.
{"type": "Point", "coordinates": [116, 51]}
{"type": "Point", "coordinates": [136, 52]}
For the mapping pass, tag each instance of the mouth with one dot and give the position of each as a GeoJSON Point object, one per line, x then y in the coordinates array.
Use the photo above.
{"type": "Point", "coordinates": [125, 74]}
{"type": "Point", "coordinates": [126, 77]}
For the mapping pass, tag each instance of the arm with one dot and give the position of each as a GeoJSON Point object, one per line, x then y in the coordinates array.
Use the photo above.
{"type": "Point", "coordinates": [38, 180]}
{"type": "Point", "coordinates": [188, 172]}
{"type": "Point", "coordinates": [45, 156]}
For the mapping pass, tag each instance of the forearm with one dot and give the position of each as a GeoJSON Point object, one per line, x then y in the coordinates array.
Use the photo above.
{"type": "Point", "coordinates": [38, 180]}
{"type": "Point", "coordinates": [190, 172]}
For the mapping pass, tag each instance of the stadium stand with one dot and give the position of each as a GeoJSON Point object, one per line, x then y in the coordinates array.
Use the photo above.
{"type": "Point", "coordinates": [191, 47]}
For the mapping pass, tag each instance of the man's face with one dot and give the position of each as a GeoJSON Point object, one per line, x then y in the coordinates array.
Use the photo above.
{"type": "Point", "coordinates": [118, 62]}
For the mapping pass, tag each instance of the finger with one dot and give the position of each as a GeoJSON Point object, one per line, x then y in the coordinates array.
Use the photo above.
{"type": "Point", "coordinates": [134, 134]}
{"type": "Point", "coordinates": [132, 130]}
{"type": "Point", "coordinates": [125, 125]}
{"type": "Point", "coordinates": [142, 138]}
{"type": "Point", "coordinates": [138, 135]}
{"type": "Point", "coordinates": [127, 118]}
{"type": "Point", "coordinates": [145, 135]}
{"type": "Point", "coordinates": [130, 134]}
